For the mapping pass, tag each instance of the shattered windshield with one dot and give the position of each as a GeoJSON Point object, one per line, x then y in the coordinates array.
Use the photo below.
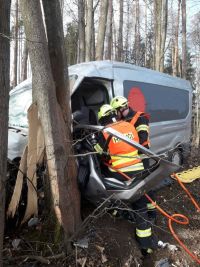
{"type": "Point", "coordinates": [18, 105]}
{"type": "Point", "coordinates": [20, 101]}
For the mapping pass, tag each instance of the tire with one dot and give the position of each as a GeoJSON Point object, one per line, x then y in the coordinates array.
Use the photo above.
{"type": "Point", "coordinates": [176, 157]}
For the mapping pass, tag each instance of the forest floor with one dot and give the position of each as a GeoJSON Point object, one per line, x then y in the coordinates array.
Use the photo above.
{"type": "Point", "coordinates": [108, 241]}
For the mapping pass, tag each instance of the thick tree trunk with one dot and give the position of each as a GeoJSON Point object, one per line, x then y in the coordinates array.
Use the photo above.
{"type": "Point", "coordinates": [101, 30]}
{"type": "Point", "coordinates": [184, 49]}
{"type": "Point", "coordinates": [88, 30]}
{"type": "Point", "coordinates": [81, 31]}
{"type": "Point", "coordinates": [57, 141]}
{"type": "Point", "coordinates": [60, 74]}
{"type": "Point", "coordinates": [4, 98]}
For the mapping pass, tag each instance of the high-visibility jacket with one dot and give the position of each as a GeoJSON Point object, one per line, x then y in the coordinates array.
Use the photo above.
{"type": "Point", "coordinates": [141, 127]}
{"type": "Point", "coordinates": [124, 157]}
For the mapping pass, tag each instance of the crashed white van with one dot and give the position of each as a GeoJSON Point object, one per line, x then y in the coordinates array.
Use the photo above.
{"type": "Point", "coordinates": [167, 99]}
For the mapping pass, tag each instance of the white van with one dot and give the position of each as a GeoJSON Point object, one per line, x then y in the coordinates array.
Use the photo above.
{"type": "Point", "coordinates": [168, 100]}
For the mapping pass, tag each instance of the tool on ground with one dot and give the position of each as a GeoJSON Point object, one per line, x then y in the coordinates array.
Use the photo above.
{"type": "Point", "coordinates": [189, 175]}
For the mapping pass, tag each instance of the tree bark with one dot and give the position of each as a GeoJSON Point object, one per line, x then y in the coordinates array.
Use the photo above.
{"type": "Point", "coordinates": [137, 32]}
{"type": "Point", "coordinates": [60, 74]}
{"type": "Point", "coordinates": [4, 98]}
{"type": "Point", "coordinates": [163, 33]}
{"type": "Point", "coordinates": [176, 50]}
{"type": "Point", "coordinates": [120, 31]}
{"type": "Point", "coordinates": [58, 144]}
{"type": "Point", "coordinates": [88, 30]}
{"type": "Point", "coordinates": [184, 49]}
{"type": "Point", "coordinates": [108, 43]}
{"type": "Point", "coordinates": [101, 30]}
{"type": "Point", "coordinates": [81, 31]}
{"type": "Point", "coordinates": [127, 33]}
{"type": "Point", "coordinates": [160, 30]}
{"type": "Point", "coordinates": [146, 34]}
{"type": "Point", "coordinates": [15, 65]}
{"type": "Point", "coordinates": [24, 63]}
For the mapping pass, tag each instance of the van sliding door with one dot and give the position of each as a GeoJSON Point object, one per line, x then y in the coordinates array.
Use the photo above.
{"type": "Point", "coordinates": [169, 110]}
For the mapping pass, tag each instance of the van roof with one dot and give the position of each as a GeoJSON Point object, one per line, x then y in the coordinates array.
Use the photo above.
{"type": "Point", "coordinates": [102, 69]}
{"type": "Point", "coordinates": [140, 74]}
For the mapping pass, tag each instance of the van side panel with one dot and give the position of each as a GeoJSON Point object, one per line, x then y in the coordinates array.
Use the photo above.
{"type": "Point", "coordinates": [169, 110]}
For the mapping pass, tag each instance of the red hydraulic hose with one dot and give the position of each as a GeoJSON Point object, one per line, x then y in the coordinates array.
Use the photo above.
{"type": "Point", "coordinates": [173, 217]}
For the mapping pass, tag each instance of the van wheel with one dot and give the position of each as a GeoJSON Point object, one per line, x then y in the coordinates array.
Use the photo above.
{"type": "Point", "coordinates": [176, 156]}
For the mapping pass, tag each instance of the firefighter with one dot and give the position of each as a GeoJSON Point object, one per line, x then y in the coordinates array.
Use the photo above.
{"type": "Point", "coordinates": [140, 121]}
{"type": "Point", "coordinates": [119, 165]}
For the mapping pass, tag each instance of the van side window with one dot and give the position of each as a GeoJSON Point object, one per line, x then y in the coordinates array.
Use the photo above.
{"type": "Point", "coordinates": [161, 102]}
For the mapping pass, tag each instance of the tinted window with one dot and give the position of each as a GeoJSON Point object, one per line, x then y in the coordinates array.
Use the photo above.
{"type": "Point", "coordinates": [161, 102]}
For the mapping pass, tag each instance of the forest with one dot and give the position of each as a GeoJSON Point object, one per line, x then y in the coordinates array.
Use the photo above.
{"type": "Point", "coordinates": [46, 49]}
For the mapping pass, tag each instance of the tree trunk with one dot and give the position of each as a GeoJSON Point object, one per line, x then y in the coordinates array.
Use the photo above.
{"type": "Point", "coordinates": [60, 74]}
{"type": "Point", "coordinates": [176, 50]}
{"type": "Point", "coordinates": [120, 31]}
{"type": "Point", "coordinates": [88, 30]}
{"type": "Point", "coordinates": [81, 31]}
{"type": "Point", "coordinates": [163, 33]}
{"type": "Point", "coordinates": [108, 43]}
{"type": "Point", "coordinates": [101, 30]}
{"type": "Point", "coordinates": [160, 30]}
{"type": "Point", "coordinates": [57, 140]}
{"type": "Point", "coordinates": [127, 34]}
{"type": "Point", "coordinates": [24, 63]}
{"type": "Point", "coordinates": [137, 32]}
{"type": "Point", "coordinates": [184, 51]}
{"type": "Point", "coordinates": [93, 51]}
{"type": "Point", "coordinates": [15, 65]}
{"type": "Point", "coordinates": [146, 34]}
{"type": "Point", "coordinates": [4, 98]}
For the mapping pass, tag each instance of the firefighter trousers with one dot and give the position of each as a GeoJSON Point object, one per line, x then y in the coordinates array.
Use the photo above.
{"type": "Point", "coordinates": [143, 224]}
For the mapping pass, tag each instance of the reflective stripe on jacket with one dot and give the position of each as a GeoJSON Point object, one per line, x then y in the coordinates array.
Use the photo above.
{"type": "Point", "coordinates": [124, 157]}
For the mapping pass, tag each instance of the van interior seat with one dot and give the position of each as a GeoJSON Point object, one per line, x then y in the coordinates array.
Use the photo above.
{"type": "Point", "coordinates": [87, 100]}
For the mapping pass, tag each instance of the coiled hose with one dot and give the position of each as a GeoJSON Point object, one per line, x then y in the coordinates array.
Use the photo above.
{"type": "Point", "coordinates": [172, 218]}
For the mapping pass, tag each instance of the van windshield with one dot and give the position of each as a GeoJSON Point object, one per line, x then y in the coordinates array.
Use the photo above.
{"type": "Point", "coordinates": [18, 105]}
{"type": "Point", "coordinates": [21, 100]}
{"type": "Point", "coordinates": [72, 80]}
